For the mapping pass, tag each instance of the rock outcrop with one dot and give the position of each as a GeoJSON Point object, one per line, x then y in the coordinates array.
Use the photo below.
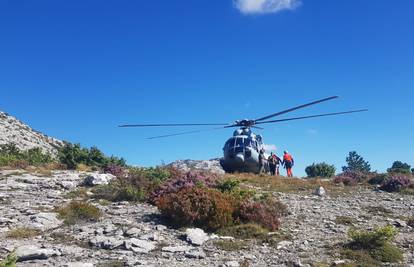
{"type": "Point", "coordinates": [14, 131]}
{"type": "Point", "coordinates": [212, 165]}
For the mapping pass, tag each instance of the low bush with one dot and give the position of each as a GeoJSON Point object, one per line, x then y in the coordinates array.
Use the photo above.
{"type": "Point", "coordinates": [183, 181]}
{"type": "Point", "coordinates": [9, 261]}
{"type": "Point", "coordinates": [376, 244]}
{"type": "Point", "coordinates": [378, 179]}
{"type": "Point", "coordinates": [320, 170]}
{"type": "Point", "coordinates": [400, 167]}
{"type": "Point", "coordinates": [115, 170]}
{"type": "Point", "coordinates": [376, 238]}
{"type": "Point", "coordinates": [266, 213]}
{"type": "Point", "coordinates": [351, 178]}
{"type": "Point", "coordinates": [77, 211]}
{"type": "Point", "coordinates": [73, 154]}
{"type": "Point", "coordinates": [228, 185]}
{"type": "Point", "coordinates": [11, 156]}
{"type": "Point", "coordinates": [201, 207]}
{"type": "Point", "coordinates": [395, 184]}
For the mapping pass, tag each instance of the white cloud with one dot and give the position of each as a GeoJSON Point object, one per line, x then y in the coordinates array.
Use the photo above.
{"type": "Point", "coordinates": [269, 148]}
{"type": "Point", "coordinates": [265, 6]}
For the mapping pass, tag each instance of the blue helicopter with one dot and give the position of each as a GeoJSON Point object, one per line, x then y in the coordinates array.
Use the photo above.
{"type": "Point", "coordinates": [241, 151]}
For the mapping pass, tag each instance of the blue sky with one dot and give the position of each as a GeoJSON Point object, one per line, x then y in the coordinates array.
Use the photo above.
{"type": "Point", "coordinates": [77, 69]}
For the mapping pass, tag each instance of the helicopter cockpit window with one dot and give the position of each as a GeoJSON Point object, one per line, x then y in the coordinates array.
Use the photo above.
{"type": "Point", "coordinates": [239, 142]}
{"type": "Point", "coordinates": [230, 143]}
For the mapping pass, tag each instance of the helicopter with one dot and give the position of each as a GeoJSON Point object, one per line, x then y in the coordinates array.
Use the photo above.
{"type": "Point", "coordinates": [241, 151]}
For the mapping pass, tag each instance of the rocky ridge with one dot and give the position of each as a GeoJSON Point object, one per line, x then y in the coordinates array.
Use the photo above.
{"type": "Point", "coordinates": [14, 131]}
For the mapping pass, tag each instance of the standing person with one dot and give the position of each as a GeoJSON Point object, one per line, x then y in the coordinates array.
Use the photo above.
{"type": "Point", "coordinates": [278, 162]}
{"type": "Point", "coordinates": [262, 162]}
{"type": "Point", "coordinates": [272, 163]}
{"type": "Point", "coordinates": [288, 162]}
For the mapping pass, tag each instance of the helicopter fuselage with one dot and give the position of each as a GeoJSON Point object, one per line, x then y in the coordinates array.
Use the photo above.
{"type": "Point", "coordinates": [241, 152]}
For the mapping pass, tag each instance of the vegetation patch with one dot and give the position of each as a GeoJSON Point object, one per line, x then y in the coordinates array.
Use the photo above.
{"type": "Point", "coordinates": [79, 193]}
{"type": "Point", "coordinates": [245, 231]}
{"type": "Point", "coordinates": [345, 220]}
{"type": "Point", "coordinates": [320, 170]}
{"type": "Point", "coordinates": [369, 248]}
{"type": "Point", "coordinates": [231, 245]}
{"type": "Point", "coordinates": [396, 183]}
{"type": "Point", "coordinates": [22, 233]}
{"type": "Point", "coordinates": [9, 261]}
{"type": "Point", "coordinates": [77, 211]}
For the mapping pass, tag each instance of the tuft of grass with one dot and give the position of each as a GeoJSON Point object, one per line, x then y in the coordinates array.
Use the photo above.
{"type": "Point", "coordinates": [81, 193]}
{"type": "Point", "coordinates": [230, 245]}
{"type": "Point", "coordinates": [344, 220]}
{"type": "Point", "coordinates": [379, 210]}
{"type": "Point", "coordinates": [77, 211]}
{"type": "Point", "coordinates": [22, 233]}
{"type": "Point", "coordinates": [9, 261]}
{"type": "Point", "coordinates": [112, 264]}
{"type": "Point", "coordinates": [67, 239]}
{"type": "Point", "coordinates": [245, 231]}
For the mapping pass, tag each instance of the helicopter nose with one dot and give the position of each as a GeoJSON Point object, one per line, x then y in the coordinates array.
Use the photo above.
{"type": "Point", "coordinates": [239, 157]}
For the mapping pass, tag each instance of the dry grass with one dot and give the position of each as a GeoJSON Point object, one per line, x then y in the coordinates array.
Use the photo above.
{"type": "Point", "coordinates": [231, 245]}
{"type": "Point", "coordinates": [22, 233]}
{"type": "Point", "coordinates": [289, 185]}
{"type": "Point", "coordinates": [344, 220]}
{"type": "Point", "coordinates": [79, 211]}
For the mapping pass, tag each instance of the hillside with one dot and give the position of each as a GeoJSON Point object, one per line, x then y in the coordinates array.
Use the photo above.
{"type": "Point", "coordinates": [14, 131]}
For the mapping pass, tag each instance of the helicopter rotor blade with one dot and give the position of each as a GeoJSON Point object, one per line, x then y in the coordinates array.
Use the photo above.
{"type": "Point", "coordinates": [172, 125]}
{"type": "Point", "coordinates": [314, 116]}
{"type": "Point", "coordinates": [184, 133]}
{"type": "Point", "coordinates": [296, 108]}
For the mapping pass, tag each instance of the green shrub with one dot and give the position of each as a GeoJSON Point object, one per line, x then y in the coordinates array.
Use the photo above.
{"type": "Point", "coordinates": [356, 163]}
{"type": "Point", "coordinates": [73, 154]}
{"type": "Point", "coordinates": [77, 211]}
{"type": "Point", "coordinates": [228, 185]}
{"type": "Point", "coordinates": [400, 167]}
{"type": "Point", "coordinates": [376, 238]}
{"type": "Point", "coordinates": [245, 231]}
{"type": "Point", "coordinates": [320, 170]}
{"type": "Point", "coordinates": [376, 243]}
{"type": "Point", "coordinates": [9, 261]}
{"type": "Point", "coordinates": [11, 156]}
{"type": "Point", "coordinates": [378, 179]}
{"type": "Point", "coordinates": [201, 207]}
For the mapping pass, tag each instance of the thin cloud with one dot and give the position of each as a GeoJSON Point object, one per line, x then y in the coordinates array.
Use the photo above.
{"type": "Point", "coordinates": [265, 6]}
{"type": "Point", "coordinates": [270, 147]}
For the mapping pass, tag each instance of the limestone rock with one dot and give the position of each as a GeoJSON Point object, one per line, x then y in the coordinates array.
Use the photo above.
{"type": "Point", "coordinates": [31, 252]}
{"type": "Point", "coordinates": [98, 179]}
{"type": "Point", "coordinates": [320, 191]}
{"type": "Point", "coordinates": [196, 236]}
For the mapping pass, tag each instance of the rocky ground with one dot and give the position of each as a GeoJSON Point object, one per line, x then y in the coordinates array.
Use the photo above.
{"type": "Point", "coordinates": [135, 235]}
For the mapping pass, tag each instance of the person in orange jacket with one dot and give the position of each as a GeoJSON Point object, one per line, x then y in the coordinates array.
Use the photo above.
{"type": "Point", "coordinates": [288, 162]}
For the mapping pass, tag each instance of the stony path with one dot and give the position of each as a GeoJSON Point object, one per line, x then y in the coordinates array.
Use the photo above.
{"type": "Point", "coordinates": [135, 235]}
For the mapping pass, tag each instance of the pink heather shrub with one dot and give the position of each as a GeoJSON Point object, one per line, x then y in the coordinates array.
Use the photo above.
{"type": "Point", "coordinates": [182, 181]}
{"type": "Point", "coordinates": [265, 213]}
{"type": "Point", "coordinates": [395, 184]}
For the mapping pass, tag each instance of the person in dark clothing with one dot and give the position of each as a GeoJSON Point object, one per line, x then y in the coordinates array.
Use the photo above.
{"type": "Point", "coordinates": [262, 162]}
{"type": "Point", "coordinates": [278, 162]}
{"type": "Point", "coordinates": [272, 164]}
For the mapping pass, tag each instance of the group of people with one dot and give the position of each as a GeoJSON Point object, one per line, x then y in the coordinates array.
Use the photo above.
{"type": "Point", "coordinates": [274, 163]}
